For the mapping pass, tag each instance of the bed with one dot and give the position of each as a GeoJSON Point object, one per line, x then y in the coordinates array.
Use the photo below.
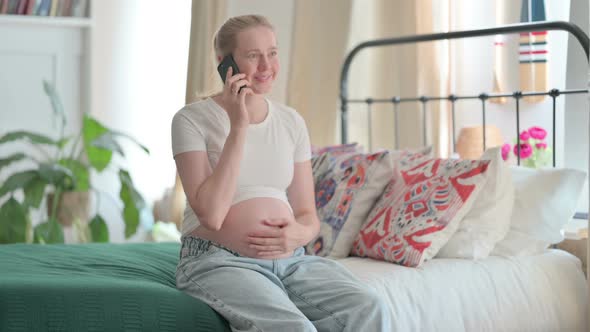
{"type": "Point", "coordinates": [115, 287]}
{"type": "Point", "coordinates": [544, 291]}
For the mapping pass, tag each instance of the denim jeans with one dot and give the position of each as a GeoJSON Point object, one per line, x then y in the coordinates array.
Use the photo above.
{"type": "Point", "coordinates": [297, 293]}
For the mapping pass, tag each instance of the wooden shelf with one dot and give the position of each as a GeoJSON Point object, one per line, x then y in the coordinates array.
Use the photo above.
{"type": "Point", "coordinates": [52, 21]}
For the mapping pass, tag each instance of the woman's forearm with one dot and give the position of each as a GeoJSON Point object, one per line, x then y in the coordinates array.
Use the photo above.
{"type": "Point", "coordinates": [215, 195]}
{"type": "Point", "coordinates": [312, 225]}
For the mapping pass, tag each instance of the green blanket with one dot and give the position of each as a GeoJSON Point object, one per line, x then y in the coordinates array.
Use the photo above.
{"type": "Point", "coordinates": [97, 287]}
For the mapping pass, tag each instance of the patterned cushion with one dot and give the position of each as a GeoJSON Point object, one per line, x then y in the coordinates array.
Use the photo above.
{"type": "Point", "coordinates": [346, 188]}
{"type": "Point", "coordinates": [349, 147]}
{"type": "Point", "coordinates": [420, 209]}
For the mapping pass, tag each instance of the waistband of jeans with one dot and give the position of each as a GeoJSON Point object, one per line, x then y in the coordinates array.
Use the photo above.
{"type": "Point", "coordinates": [192, 246]}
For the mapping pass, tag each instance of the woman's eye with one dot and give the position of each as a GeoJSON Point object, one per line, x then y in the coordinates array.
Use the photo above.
{"type": "Point", "coordinates": [273, 53]}
{"type": "Point", "coordinates": [252, 56]}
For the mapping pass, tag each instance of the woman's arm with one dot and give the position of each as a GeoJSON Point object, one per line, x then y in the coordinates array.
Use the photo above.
{"type": "Point", "coordinates": [302, 198]}
{"type": "Point", "coordinates": [210, 192]}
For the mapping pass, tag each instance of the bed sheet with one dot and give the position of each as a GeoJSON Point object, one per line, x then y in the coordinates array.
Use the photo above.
{"type": "Point", "coordinates": [545, 292]}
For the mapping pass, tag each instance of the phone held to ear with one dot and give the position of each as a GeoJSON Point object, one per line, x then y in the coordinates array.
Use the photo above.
{"type": "Point", "coordinates": [228, 61]}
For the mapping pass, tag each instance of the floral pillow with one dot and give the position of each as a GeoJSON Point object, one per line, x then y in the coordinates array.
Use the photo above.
{"type": "Point", "coordinates": [420, 209]}
{"type": "Point", "coordinates": [348, 147]}
{"type": "Point", "coordinates": [346, 189]}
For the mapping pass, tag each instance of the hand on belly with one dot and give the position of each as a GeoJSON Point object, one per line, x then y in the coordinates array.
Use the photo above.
{"type": "Point", "coordinates": [276, 237]}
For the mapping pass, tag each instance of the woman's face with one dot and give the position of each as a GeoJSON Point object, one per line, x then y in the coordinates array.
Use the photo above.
{"type": "Point", "coordinates": [256, 55]}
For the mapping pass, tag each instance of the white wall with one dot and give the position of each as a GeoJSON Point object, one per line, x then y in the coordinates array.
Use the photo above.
{"type": "Point", "coordinates": [29, 54]}
{"type": "Point", "coordinates": [577, 106]}
{"type": "Point", "coordinates": [140, 52]}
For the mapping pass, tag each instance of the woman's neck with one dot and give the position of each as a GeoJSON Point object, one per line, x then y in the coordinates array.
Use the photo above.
{"type": "Point", "coordinates": [257, 108]}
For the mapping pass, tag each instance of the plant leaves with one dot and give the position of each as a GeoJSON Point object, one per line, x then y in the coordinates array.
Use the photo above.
{"type": "Point", "coordinates": [34, 192]}
{"type": "Point", "coordinates": [118, 133]}
{"type": "Point", "coordinates": [80, 173]}
{"type": "Point", "coordinates": [17, 181]}
{"type": "Point", "coordinates": [132, 203]}
{"type": "Point", "coordinates": [107, 141]}
{"type": "Point", "coordinates": [56, 104]}
{"type": "Point", "coordinates": [57, 175]}
{"type": "Point", "coordinates": [98, 229]}
{"type": "Point", "coordinates": [98, 157]}
{"type": "Point", "coordinates": [34, 138]}
{"type": "Point", "coordinates": [62, 142]}
{"type": "Point", "coordinates": [48, 232]}
{"type": "Point", "coordinates": [13, 222]}
{"type": "Point", "coordinates": [11, 159]}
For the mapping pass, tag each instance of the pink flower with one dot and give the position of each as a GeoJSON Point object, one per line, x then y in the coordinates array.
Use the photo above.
{"type": "Point", "coordinates": [505, 151]}
{"type": "Point", "coordinates": [537, 132]}
{"type": "Point", "coordinates": [541, 146]}
{"type": "Point", "coordinates": [524, 136]}
{"type": "Point", "coordinates": [525, 150]}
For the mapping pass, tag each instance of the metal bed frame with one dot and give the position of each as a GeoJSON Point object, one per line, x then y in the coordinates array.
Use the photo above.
{"type": "Point", "coordinates": [453, 99]}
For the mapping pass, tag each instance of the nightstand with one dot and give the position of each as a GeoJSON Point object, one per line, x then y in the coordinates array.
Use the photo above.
{"type": "Point", "coordinates": [576, 240]}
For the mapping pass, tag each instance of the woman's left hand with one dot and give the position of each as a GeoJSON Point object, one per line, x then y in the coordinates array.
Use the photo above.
{"type": "Point", "coordinates": [281, 236]}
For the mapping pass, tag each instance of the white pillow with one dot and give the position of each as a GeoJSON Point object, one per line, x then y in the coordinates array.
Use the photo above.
{"type": "Point", "coordinates": [545, 200]}
{"type": "Point", "coordinates": [488, 220]}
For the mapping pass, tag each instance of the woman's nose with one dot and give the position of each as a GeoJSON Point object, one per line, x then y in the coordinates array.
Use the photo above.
{"type": "Point", "coordinates": [263, 64]}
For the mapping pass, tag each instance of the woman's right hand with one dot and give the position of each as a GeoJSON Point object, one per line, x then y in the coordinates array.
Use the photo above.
{"type": "Point", "coordinates": [234, 100]}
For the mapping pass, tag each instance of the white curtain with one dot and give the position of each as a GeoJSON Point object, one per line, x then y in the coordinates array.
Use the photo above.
{"type": "Point", "coordinates": [405, 70]}
{"type": "Point", "coordinates": [320, 35]}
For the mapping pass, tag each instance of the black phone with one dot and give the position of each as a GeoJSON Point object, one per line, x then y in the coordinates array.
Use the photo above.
{"type": "Point", "coordinates": [228, 61]}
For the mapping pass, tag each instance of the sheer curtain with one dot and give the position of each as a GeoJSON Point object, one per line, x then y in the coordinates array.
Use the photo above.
{"type": "Point", "coordinates": [404, 70]}
{"type": "Point", "coordinates": [206, 17]}
{"type": "Point", "coordinates": [320, 36]}
{"type": "Point", "coordinates": [324, 31]}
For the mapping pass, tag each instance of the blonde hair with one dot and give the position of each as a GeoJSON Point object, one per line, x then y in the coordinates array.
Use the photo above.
{"type": "Point", "coordinates": [224, 41]}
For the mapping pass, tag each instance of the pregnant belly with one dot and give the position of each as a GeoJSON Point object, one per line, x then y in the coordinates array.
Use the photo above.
{"type": "Point", "coordinates": [244, 218]}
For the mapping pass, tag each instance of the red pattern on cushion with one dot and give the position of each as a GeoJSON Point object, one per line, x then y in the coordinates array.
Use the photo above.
{"type": "Point", "coordinates": [420, 209]}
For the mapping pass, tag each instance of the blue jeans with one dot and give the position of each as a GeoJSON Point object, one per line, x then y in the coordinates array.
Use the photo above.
{"type": "Point", "coordinates": [298, 293]}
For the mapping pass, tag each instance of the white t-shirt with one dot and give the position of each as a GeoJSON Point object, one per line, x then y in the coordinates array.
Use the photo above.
{"type": "Point", "coordinates": [270, 151]}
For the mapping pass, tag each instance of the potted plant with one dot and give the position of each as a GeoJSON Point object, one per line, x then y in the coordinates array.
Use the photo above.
{"type": "Point", "coordinates": [62, 177]}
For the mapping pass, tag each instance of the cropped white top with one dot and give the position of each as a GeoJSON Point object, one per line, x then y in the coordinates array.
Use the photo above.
{"type": "Point", "coordinates": [271, 148]}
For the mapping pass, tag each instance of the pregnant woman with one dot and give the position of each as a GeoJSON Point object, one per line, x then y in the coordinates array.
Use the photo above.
{"type": "Point", "coordinates": [244, 162]}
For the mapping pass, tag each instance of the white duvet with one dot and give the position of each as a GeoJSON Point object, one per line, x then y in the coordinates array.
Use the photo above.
{"type": "Point", "coordinates": [546, 292]}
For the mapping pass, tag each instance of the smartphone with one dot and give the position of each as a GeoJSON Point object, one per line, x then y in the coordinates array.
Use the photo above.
{"type": "Point", "coordinates": [228, 61]}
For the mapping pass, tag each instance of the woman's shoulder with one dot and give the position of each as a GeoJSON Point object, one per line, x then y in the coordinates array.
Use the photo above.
{"type": "Point", "coordinates": [200, 108]}
{"type": "Point", "coordinates": [286, 111]}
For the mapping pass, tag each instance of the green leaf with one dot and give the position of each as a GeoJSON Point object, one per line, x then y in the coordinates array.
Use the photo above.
{"type": "Point", "coordinates": [62, 142]}
{"type": "Point", "coordinates": [11, 159]}
{"type": "Point", "coordinates": [56, 104]}
{"type": "Point", "coordinates": [107, 141]}
{"type": "Point", "coordinates": [98, 157]}
{"type": "Point", "coordinates": [80, 173]}
{"type": "Point", "coordinates": [34, 192]}
{"type": "Point", "coordinates": [132, 203]}
{"type": "Point", "coordinates": [118, 133]}
{"type": "Point", "coordinates": [13, 222]}
{"type": "Point", "coordinates": [98, 229]}
{"type": "Point", "coordinates": [34, 138]}
{"type": "Point", "coordinates": [57, 175]}
{"type": "Point", "coordinates": [48, 232]}
{"type": "Point", "coordinates": [17, 181]}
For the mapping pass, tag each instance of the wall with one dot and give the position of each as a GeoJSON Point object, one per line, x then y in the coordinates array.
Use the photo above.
{"type": "Point", "coordinates": [30, 53]}
{"type": "Point", "coordinates": [577, 106]}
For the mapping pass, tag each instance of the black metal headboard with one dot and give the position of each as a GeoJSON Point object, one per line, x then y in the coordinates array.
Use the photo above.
{"type": "Point", "coordinates": [517, 95]}
{"type": "Point", "coordinates": [397, 100]}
